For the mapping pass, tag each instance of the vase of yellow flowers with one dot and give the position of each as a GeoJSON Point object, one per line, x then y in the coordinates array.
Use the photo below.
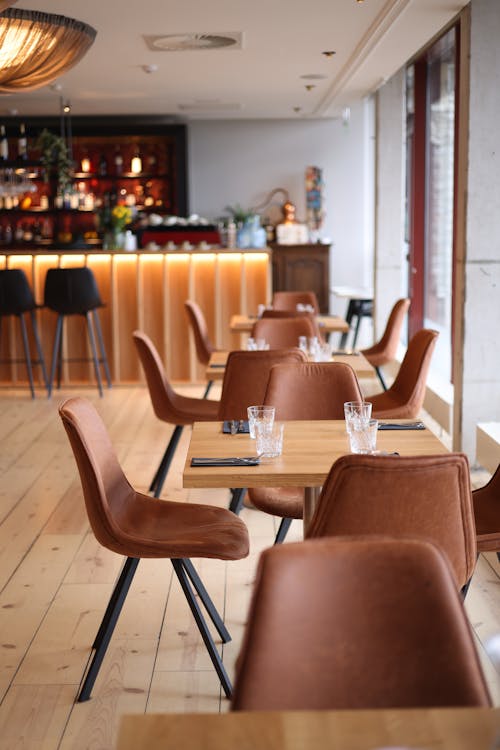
{"type": "Point", "coordinates": [114, 225]}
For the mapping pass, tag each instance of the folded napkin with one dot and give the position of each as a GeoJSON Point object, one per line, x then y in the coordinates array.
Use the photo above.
{"type": "Point", "coordinates": [236, 461]}
{"type": "Point", "coordinates": [401, 426]}
{"type": "Point", "coordinates": [240, 426]}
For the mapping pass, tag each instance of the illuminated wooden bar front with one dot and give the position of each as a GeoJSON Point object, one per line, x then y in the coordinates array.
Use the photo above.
{"type": "Point", "coordinates": [147, 291]}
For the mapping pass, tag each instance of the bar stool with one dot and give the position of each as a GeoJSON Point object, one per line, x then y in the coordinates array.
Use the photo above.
{"type": "Point", "coordinates": [16, 298]}
{"type": "Point", "coordinates": [73, 291]}
{"type": "Point", "coordinates": [357, 308]}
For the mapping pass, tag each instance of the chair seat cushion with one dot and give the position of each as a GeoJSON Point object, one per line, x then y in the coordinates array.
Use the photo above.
{"type": "Point", "coordinates": [386, 406]}
{"type": "Point", "coordinates": [286, 502]}
{"type": "Point", "coordinates": [147, 527]}
{"type": "Point", "coordinates": [195, 409]}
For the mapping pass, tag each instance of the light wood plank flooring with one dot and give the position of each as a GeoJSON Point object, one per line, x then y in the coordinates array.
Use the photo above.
{"type": "Point", "coordinates": [55, 581]}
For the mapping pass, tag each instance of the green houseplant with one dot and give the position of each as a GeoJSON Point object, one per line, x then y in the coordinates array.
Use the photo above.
{"type": "Point", "coordinates": [55, 159]}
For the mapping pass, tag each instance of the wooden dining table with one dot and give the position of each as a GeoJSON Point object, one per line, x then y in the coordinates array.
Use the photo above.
{"type": "Point", "coordinates": [398, 729]}
{"type": "Point", "coordinates": [309, 450]}
{"type": "Point", "coordinates": [327, 323]}
{"type": "Point", "coordinates": [363, 369]}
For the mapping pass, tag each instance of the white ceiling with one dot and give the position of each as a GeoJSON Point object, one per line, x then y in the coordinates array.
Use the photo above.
{"type": "Point", "coordinates": [282, 40]}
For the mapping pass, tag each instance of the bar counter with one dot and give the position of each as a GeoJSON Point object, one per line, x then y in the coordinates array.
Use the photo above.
{"type": "Point", "coordinates": [143, 290]}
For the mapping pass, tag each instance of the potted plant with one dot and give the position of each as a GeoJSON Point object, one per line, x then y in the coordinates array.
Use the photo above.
{"type": "Point", "coordinates": [55, 158]}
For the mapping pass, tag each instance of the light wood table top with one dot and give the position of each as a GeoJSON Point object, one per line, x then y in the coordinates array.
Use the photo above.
{"type": "Point", "coordinates": [327, 323]}
{"type": "Point", "coordinates": [309, 450]}
{"type": "Point", "coordinates": [363, 369]}
{"type": "Point", "coordinates": [432, 729]}
{"type": "Point", "coordinates": [352, 292]}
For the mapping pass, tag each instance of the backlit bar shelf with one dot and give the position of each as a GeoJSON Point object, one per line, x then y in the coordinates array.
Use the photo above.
{"type": "Point", "coordinates": [147, 291]}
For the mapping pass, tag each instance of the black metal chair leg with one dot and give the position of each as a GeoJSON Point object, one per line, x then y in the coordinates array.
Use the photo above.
{"type": "Point", "coordinates": [283, 530]}
{"type": "Point", "coordinates": [56, 353]}
{"type": "Point", "coordinates": [237, 498]}
{"type": "Point", "coordinates": [90, 329]}
{"type": "Point", "coordinates": [158, 480]}
{"type": "Point", "coordinates": [202, 627]}
{"type": "Point", "coordinates": [381, 378]}
{"type": "Point", "coordinates": [100, 341]}
{"type": "Point", "coordinates": [27, 354]}
{"type": "Point", "coordinates": [207, 389]}
{"type": "Point", "coordinates": [103, 637]}
{"type": "Point", "coordinates": [41, 359]}
{"type": "Point", "coordinates": [356, 330]}
{"type": "Point", "coordinates": [348, 318]}
{"type": "Point", "coordinates": [207, 601]}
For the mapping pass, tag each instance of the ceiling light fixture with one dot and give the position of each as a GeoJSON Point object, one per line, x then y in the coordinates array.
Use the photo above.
{"type": "Point", "coordinates": [309, 86]}
{"type": "Point", "coordinates": [36, 48]}
{"type": "Point", "coordinates": [329, 53]}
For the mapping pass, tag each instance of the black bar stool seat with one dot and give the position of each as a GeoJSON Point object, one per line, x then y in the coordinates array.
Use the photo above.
{"type": "Point", "coordinates": [73, 291]}
{"type": "Point", "coordinates": [16, 298]}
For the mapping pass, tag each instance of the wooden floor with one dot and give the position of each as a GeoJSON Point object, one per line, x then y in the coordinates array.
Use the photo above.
{"type": "Point", "coordinates": [55, 581]}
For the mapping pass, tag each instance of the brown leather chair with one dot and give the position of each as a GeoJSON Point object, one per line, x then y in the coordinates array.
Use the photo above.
{"type": "Point", "coordinates": [486, 502]}
{"type": "Point", "coordinates": [168, 405]}
{"type": "Point", "coordinates": [244, 385]}
{"type": "Point", "coordinates": [295, 314]}
{"type": "Point", "coordinates": [384, 351]}
{"type": "Point", "coordinates": [421, 496]}
{"type": "Point", "coordinates": [404, 399]}
{"type": "Point", "coordinates": [246, 377]}
{"type": "Point", "coordinates": [137, 525]}
{"type": "Point", "coordinates": [356, 623]}
{"type": "Point", "coordinates": [204, 347]}
{"type": "Point", "coordinates": [281, 333]}
{"type": "Point", "coordinates": [306, 391]}
{"type": "Point", "coordinates": [290, 300]}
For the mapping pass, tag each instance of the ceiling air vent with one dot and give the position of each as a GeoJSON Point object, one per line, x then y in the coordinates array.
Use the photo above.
{"type": "Point", "coordinates": [191, 41]}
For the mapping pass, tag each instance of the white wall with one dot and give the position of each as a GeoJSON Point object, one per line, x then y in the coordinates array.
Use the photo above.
{"type": "Point", "coordinates": [243, 161]}
{"type": "Point", "coordinates": [391, 268]}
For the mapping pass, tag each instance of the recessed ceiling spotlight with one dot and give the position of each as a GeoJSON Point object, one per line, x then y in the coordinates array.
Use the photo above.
{"type": "Point", "coordinates": [150, 68]}
{"type": "Point", "coordinates": [313, 77]}
{"type": "Point", "coordinates": [309, 86]}
{"type": "Point", "coordinates": [55, 86]}
{"type": "Point", "coordinates": [329, 53]}
{"type": "Point", "coordinates": [297, 109]}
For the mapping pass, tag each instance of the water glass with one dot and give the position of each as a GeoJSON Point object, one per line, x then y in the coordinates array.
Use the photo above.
{"type": "Point", "coordinates": [261, 345]}
{"type": "Point", "coordinates": [251, 344]}
{"type": "Point", "coordinates": [323, 353]}
{"type": "Point", "coordinates": [363, 435]}
{"type": "Point", "coordinates": [303, 344]}
{"type": "Point", "coordinates": [355, 411]}
{"type": "Point", "coordinates": [259, 414]}
{"type": "Point", "coordinates": [260, 310]}
{"type": "Point", "coordinates": [313, 344]}
{"type": "Point", "coordinates": [269, 439]}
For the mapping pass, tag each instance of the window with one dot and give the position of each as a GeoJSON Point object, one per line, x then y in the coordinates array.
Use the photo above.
{"type": "Point", "coordinates": [431, 86]}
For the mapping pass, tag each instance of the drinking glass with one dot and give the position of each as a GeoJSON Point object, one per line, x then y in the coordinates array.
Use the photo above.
{"type": "Point", "coordinates": [269, 439]}
{"type": "Point", "coordinates": [251, 344]}
{"type": "Point", "coordinates": [303, 343]}
{"type": "Point", "coordinates": [356, 410]}
{"type": "Point", "coordinates": [363, 435]}
{"type": "Point", "coordinates": [259, 414]}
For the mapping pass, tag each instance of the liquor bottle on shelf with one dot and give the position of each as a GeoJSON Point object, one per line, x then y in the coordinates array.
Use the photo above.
{"type": "Point", "coordinates": [7, 234]}
{"type": "Point", "coordinates": [103, 166]}
{"type": "Point", "coordinates": [27, 232]}
{"type": "Point", "coordinates": [136, 162]}
{"type": "Point", "coordinates": [151, 163]}
{"type": "Point", "coordinates": [118, 162]}
{"type": "Point", "coordinates": [46, 230]}
{"type": "Point", "coordinates": [4, 144]}
{"type": "Point", "coordinates": [86, 164]}
{"type": "Point", "coordinates": [37, 231]}
{"type": "Point", "coordinates": [19, 232]}
{"type": "Point", "coordinates": [22, 142]}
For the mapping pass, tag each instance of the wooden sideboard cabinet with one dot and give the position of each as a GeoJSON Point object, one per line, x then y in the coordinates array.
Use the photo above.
{"type": "Point", "coordinates": [301, 268]}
